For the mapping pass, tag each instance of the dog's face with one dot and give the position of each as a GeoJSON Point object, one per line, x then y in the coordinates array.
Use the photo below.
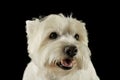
{"type": "Point", "coordinates": [58, 43]}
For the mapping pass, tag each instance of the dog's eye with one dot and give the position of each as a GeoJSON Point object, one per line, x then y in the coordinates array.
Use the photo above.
{"type": "Point", "coordinates": [53, 35]}
{"type": "Point", "coordinates": [76, 36]}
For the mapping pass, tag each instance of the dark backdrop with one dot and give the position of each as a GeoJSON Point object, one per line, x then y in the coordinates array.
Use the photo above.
{"type": "Point", "coordinates": [100, 19]}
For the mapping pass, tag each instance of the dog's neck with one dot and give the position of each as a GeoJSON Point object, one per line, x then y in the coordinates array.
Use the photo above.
{"type": "Point", "coordinates": [51, 74]}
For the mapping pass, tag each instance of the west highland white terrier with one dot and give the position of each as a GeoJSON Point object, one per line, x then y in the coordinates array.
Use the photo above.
{"type": "Point", "coordinates": [58, 48]}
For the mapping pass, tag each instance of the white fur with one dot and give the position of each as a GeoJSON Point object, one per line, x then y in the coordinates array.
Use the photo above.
{"type": "Point", "coordinates": [45, 53]}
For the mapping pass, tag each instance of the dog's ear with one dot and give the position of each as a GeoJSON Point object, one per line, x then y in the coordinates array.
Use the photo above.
{"type": "Point", "coordinates": [31, 26]}
{"type": "Point", "coordinates": [84, 37]}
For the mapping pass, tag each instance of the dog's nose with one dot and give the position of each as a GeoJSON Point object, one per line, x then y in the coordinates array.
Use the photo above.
{"type": "Point", "coordinates": [70, 50]}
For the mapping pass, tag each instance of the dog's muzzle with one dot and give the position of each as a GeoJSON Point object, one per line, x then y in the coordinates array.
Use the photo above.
{"type": "Point", "coordinates": [68, 62]}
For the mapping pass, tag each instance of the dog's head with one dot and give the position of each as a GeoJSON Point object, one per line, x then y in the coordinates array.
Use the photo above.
{"type": "Point", "coordinates": [58, 43]}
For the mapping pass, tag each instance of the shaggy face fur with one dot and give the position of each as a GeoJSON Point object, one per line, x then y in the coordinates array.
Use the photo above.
{"type": "Point", "coordinates": [58, 48]}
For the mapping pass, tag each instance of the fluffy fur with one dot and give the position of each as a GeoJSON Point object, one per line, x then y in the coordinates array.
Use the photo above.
{"type": "Point", "coordinates": [45, 52]}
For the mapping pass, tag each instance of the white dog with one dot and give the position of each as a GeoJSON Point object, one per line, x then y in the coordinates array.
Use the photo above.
{"type": "Point", "coordinates": [58, 48]}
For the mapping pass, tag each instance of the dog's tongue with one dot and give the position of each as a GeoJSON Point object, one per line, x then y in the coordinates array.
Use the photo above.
{"type": "Point", "coordinates": [67, 62]}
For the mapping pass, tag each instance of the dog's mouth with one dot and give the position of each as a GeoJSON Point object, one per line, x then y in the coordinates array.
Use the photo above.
{"type": "Point", "coordinates": [66, 64]}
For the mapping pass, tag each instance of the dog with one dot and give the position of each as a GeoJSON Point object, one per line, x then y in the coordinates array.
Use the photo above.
{"type": "Point", "coordinates": [58, 48]}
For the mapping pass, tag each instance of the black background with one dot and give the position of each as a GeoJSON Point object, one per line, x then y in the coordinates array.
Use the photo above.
{"type": "Point", "coordinates": [101, 20]}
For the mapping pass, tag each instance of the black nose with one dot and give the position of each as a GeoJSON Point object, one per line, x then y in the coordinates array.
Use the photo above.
{"type": "Point", "coordinates": [70, 50]}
